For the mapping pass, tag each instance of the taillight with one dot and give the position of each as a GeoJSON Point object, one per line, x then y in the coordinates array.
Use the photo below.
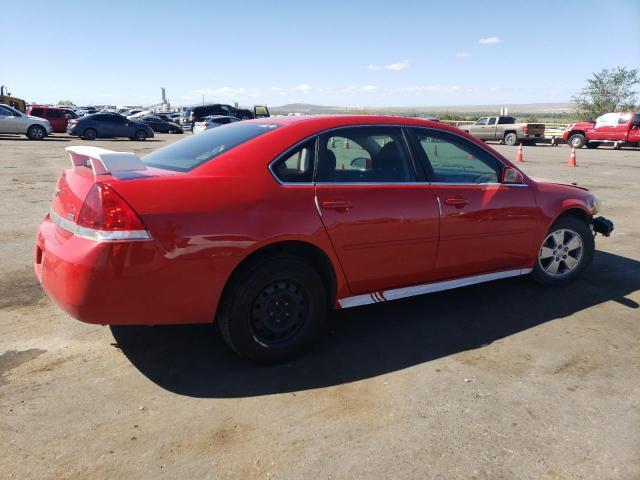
{"type": "Point", "coordinates": [525, 129]}
{"type": "Point", "coordinates": [73, 122]}
{"type": "Point", "coordinates": [106, 216]}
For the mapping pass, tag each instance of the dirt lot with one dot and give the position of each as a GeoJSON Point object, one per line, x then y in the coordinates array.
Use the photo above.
{"type": "Point", "coordinates": [504, 380]}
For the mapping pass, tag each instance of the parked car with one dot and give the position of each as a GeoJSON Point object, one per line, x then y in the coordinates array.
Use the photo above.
{"type": "Point", "coordinates": [14, 121]}
{"type": "Point", "coordinates": [265, 225]}
{"type": "Point", "coordinates": [617, 129]}
{"type": "Point", "coordinates": [106, 125]}
{"type": "Point", "coordinates": [57, 116]}
{"type": "Point", "coordinates": [159, 125]}
{"type": "Point", "coordinates": [505, 129]}
{"type": "Point", "coordinates": [212, 121]}
{"type": "Point", "coordinates": [198, 113]}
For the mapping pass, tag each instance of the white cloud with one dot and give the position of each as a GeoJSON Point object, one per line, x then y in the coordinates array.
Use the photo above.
{"type": "Point", "coordinates": [276, 89]}
{"type": "Point", "coordinates": [391, 66]}
{"type": "Point", "coordinates": [397, 66]}
{"type": "Point", "coordinates": [304, 88]}
{"type": "Point", "coordinates": [489, 40]}
{"type": "Point", "coordinates": [369, 88]}
{"type": "Point", "coordinates": [463, 55]}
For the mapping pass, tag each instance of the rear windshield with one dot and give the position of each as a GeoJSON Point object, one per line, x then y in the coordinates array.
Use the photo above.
{"type": "Point", "coordinates": [192, 152]}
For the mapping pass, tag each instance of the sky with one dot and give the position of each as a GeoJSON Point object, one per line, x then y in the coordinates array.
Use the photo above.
{"type": "Point", "coordinates": [356, 53]}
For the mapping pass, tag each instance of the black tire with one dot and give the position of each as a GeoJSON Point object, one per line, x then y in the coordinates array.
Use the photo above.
{"type": "Point", "coordinates": [90, 134]}
{"type": "Point", "coordinates": [273, 309]}
{"type": "Point", "coordinates": [592, 145]}
{"type": "Point", "coordinates": [577, 140]}
{"type": "Point", "coordinates": [510, 139]}
{"type": "Point", "coordinates": [141, 135]}
{"type": "Point", "coordinates": [570, 225]}
{"type": "Point", "coordinates": [36, 132]}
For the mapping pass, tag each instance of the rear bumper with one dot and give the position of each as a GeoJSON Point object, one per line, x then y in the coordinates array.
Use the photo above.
{"type": "Point", "coordinates": [119, 283]}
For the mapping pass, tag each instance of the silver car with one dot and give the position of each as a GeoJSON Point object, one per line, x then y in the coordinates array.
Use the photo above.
{"type": "Point", "coordinates": [14, 121]}
{"type": "Point", "coordinates": [212, 121]}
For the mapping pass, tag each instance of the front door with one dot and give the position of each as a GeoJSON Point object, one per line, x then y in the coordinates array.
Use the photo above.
{"type": "Point", "coordinates": [382, 222]}
{"type": "Point", "coordinates": [484, 225]}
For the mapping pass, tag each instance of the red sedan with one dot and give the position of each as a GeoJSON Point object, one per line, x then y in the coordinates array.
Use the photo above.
{"type": "Point", "coordinates": [264, 225]}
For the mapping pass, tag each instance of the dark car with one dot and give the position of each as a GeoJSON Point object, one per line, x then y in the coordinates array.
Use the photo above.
{"type": "Point", "coordinates": [160, 125]}
{"type": "Point", "coordinates": [197, 113]}
{"type": "Point", "coordinates": [106, 125]}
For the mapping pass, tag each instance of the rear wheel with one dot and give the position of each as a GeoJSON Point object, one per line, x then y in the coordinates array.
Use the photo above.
{"type": "Point", "coordinates": [273, 309]}
{"type": "Point", "coordinates": [565, 252]}
{"type": "Point", "coordinates": [36, 132]}
{"type": "Point", "coordinates": [90, 134]}
{"type": "Point", "coordinates": [141, 135]}
{"type": "Point", "coordinates": [577, 140]}
{"type": "Point", "coordinates": [511, 139]}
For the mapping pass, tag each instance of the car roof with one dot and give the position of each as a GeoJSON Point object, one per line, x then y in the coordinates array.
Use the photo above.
{"type": "Point", "coordinates": [329, 121]}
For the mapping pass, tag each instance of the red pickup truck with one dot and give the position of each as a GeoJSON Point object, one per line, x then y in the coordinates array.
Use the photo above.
{"type": "Point", "coordinates": [619, 129]}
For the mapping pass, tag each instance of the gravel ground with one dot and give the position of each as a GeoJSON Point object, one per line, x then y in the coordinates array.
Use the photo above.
{"type": "Point", "coordinates": [497, 381]}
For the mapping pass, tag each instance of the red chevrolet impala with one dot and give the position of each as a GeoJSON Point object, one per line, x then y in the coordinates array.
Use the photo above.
{"type": "Point", "coordinates": [263, 225]}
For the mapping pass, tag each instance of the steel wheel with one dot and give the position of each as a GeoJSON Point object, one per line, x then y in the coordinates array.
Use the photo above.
{"type": "Point", "coordinates": [278, 313]}
{"type": "Point", "coordinates": [561, 253]}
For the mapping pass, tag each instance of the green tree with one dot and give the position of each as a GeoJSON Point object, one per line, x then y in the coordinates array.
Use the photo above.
{"type": "Point", "coordinates": [607, 91]}
{"type": "Point", "coordinates": [66, 103]}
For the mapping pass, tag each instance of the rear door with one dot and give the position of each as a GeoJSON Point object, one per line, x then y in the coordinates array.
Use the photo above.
{"type": "Point", "coordinates": [484, 225]}
{"type": "Point", "coordinates": [381, 217]}
{"type": "Point", "coordinates": [56, 118]}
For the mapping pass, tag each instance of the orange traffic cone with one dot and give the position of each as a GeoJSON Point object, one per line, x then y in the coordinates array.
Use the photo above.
{"type": "Point", "coordinates": [572, 157]}
{"type": "Point", "coordinates": [519, 154]}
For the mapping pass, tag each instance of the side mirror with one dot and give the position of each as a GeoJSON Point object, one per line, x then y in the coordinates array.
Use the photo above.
{"type": "Point", "coordinates": [511, 175]}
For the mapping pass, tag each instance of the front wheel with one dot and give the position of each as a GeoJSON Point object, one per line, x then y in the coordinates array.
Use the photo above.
{"type": "Point", "coordinates": [141, 135]}
{"type": "Point", "coordinates": [577, 140]}
{"type": "Point", "coordinates": [273, 309]}
{"type": "Point", "coordinates": [565, 252]}
{"type": "Point", "coordinates": [36, 132]}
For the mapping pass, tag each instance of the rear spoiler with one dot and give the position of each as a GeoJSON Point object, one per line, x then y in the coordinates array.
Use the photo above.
{"type": "Point", "coordinates": [103, 161]}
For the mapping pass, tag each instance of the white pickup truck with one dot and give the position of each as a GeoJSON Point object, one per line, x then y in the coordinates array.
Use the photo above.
{"type": "Point", "coordinates": [505, 129]}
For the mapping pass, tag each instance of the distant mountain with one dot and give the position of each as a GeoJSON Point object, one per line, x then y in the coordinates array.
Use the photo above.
{"type": "Point", "coordinates": [307, 108]}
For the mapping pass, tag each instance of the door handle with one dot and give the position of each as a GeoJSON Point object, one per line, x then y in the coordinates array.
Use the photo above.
{"type": "Point", "coordinates": [339, 205]}
{"type": "Point", "coordinates": [457, 202]}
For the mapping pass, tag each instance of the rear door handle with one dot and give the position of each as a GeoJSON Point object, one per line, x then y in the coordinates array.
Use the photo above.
{"type": "Point", "coordinates": [339, 205]}
{"type": "Point", "coordinates": [457, 202]}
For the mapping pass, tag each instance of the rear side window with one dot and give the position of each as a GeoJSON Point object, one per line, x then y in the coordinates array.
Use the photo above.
{"type": "Point", "coordinates": [192, 152]}
{"type": "Point", "coordinates": [492, 121]}
{"type": "Point", "coordinates": [364, 155]}
{"type": "Point", "coordinates": [37, 112]}
{"type": "Point", "coordinates": [54, 114]}
{"type": "Point", "coordinates": [506, 120]}
{"type": "Point", "coordinates": [296, 166]}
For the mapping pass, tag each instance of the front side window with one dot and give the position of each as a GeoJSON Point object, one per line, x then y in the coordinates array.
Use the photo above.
{"type": "Point", "coordinates": [4, 113]}
{"type": "Point", "coordinates": [296, 166]}
{"type": "Point", "coordinates": [192, 152]}
{"type": "Point", "coordinates": [482, 121]}
{"type": "Point", "coordinates": [364, 155]}
{"type": "Point", "coordinates": [455, 160]}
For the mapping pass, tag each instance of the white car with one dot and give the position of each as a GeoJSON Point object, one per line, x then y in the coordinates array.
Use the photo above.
{"type": "Point", "coordinates": [14, 121]}
{"type": "Point", "coordinates": [212, 121]}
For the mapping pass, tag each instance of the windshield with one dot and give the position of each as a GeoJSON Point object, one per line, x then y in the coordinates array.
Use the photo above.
{"type": "Point", "coordinates": [191, 152]}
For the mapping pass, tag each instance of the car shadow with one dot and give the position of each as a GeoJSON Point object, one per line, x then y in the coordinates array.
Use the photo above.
{"type": "Point", "coordinates": [364, 342]}
{"type": "Point", "coordinates": [23, 138]}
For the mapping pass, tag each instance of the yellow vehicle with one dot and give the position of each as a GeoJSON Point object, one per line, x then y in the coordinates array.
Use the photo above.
{"type": "Point", "coordinates": [7, 99]}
